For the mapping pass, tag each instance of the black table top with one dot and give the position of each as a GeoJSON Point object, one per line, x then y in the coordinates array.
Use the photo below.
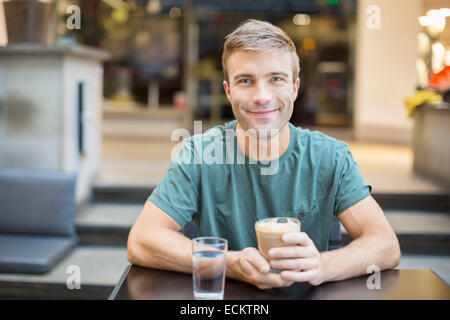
{"type": "Point", "coordinates": [139, 283]}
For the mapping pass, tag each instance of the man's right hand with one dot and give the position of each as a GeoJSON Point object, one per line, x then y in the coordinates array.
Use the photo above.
{"type": "Point", "coordinates": [250, 266]}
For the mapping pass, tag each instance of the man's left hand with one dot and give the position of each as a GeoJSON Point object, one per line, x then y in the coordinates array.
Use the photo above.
{"type": "Point", "coordinates": [300, 262]}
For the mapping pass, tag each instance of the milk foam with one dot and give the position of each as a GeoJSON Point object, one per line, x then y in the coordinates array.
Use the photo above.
{"type": "Point", "coordinates": [275, 226]}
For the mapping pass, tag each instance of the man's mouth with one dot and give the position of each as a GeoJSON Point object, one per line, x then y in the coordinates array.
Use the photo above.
{"type": "Point", "coordinates": [262, 112]}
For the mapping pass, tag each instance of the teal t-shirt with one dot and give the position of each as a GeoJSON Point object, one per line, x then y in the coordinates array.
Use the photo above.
{"type": "Point", "coordinates": [211, 181]}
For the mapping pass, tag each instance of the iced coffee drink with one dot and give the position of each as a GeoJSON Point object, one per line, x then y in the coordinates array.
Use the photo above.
{"type": "Point", "coordinates": [269, 232]}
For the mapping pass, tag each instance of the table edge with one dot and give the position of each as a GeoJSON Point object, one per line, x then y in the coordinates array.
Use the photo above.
{"type": "Point", "coordinates": [440, 278]}
{"type": "Point", "coordinates": [118, 285]}
{"type": "Point", "coordinates": [124, 275]}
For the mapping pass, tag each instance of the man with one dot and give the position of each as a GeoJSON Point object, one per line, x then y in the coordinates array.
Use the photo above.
{"type": "Point", "coordinates": [315, 177]}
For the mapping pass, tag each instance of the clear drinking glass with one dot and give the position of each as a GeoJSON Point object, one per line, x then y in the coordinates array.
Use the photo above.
{"type": "Point", "coordinates": [209, 263]}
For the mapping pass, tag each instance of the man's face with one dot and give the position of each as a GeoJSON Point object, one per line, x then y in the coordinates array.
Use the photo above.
{"type": "Point", "coordinates": [261, 89]}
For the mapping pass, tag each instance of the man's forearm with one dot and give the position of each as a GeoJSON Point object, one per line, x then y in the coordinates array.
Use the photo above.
{"type": "Point", "coordinates": [354, 259]}
{"type": "Point", "coordinates": [165, 249]}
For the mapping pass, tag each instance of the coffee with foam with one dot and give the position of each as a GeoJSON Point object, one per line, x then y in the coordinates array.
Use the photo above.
{"type": "Point", "coordinates": [269, 232]}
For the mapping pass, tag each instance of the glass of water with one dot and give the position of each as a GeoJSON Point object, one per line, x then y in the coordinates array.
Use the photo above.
{"type": "Point", "coordinates": [209, 263]}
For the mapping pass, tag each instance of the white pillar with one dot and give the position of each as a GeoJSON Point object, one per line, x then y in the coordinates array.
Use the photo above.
{"type": "Point", "coordinates": [385, 70]}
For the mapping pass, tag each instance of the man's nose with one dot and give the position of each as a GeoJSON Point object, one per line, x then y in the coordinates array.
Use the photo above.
{"type": "Point", "coordinates": [261, 94]}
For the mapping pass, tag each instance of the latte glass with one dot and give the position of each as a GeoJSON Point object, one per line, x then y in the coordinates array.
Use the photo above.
{"type": "Point", "coordinates": [270, 230]}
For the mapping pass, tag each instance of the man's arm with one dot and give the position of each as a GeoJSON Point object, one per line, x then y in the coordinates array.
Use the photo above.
{"type": "Point", "coordinates": [375, 243]}
{"type": "Point", "coordinates": [154, 241]}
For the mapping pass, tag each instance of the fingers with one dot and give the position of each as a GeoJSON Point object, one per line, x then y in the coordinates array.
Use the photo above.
{"type": "Point", "coordinates": [257, 270]}
{"type": "Point", "coordinates": [297, 238]}
{"type": "Point", "coordinates": [273, 280]}
{"type": "Point", "coordinates": [294, 264]}
{"type": "Point", "coordinates": [304, 276]}
{"type": "Point", "coordinates": [291, 252]}
{"type": "Point", "coordinates": [299, 246]}
{"type": "Point", "coordinates": [254, 258]}
{"type": "Point", "coordinates": [299, 261]}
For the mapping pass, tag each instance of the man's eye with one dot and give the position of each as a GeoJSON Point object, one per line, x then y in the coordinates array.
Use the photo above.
{"type": "Point", "coordinates": [244, 81]}
{"type": "Point", "coordinates": [277, 79]}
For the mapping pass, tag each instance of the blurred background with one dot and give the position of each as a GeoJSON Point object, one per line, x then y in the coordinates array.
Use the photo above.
{"type": "Point", "coordinates": [91, 92]}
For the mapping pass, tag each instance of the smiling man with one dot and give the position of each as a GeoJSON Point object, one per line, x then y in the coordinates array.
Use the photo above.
{"type": "Point", "coordinates": [316, 178]}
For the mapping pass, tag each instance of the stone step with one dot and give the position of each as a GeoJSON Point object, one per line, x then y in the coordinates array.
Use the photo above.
{"type": "Point", "coordinates": [24, 290]}
{"type": "Point", "coordinates": [439, 202]}
{"type": "Point", "coordinates": [100, 269]}
{"type": "Point", "coordinates": [106, 223]}
{"type": "Point", "coordinates": [418, 232]}
{"type": "Point", "coordinates": [121, 194]}
{"type": "Point", "coordinates": [417, 222]}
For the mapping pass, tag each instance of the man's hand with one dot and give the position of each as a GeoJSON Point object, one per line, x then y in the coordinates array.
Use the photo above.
{"type": "Point", "coordinates": [250, 266]}
{"type": "Point", "coordinates": [300, 262]}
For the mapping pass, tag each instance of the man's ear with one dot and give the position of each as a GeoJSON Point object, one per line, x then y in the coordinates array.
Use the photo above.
{"type": "Point", "coordinates": [296, 86]}
{"type": "Point", "coordinates": [227, 88]}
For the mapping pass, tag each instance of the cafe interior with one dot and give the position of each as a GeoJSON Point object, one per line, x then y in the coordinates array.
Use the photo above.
{"type": "Point", "coordinates": [91, 93]}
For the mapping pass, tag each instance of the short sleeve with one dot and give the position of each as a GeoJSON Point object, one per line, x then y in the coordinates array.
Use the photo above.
{"type": "Point", "coordinates": [351, 188]}
{"type": "Point", "coordinates": [178, 193]}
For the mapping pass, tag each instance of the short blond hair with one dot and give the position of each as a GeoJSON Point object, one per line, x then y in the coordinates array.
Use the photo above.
{"type": "Point", "coordinates": [259, 36]}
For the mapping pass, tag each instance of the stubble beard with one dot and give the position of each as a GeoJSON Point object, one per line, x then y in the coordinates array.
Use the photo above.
{"type": "Point", "coordinates": [264, 131]}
